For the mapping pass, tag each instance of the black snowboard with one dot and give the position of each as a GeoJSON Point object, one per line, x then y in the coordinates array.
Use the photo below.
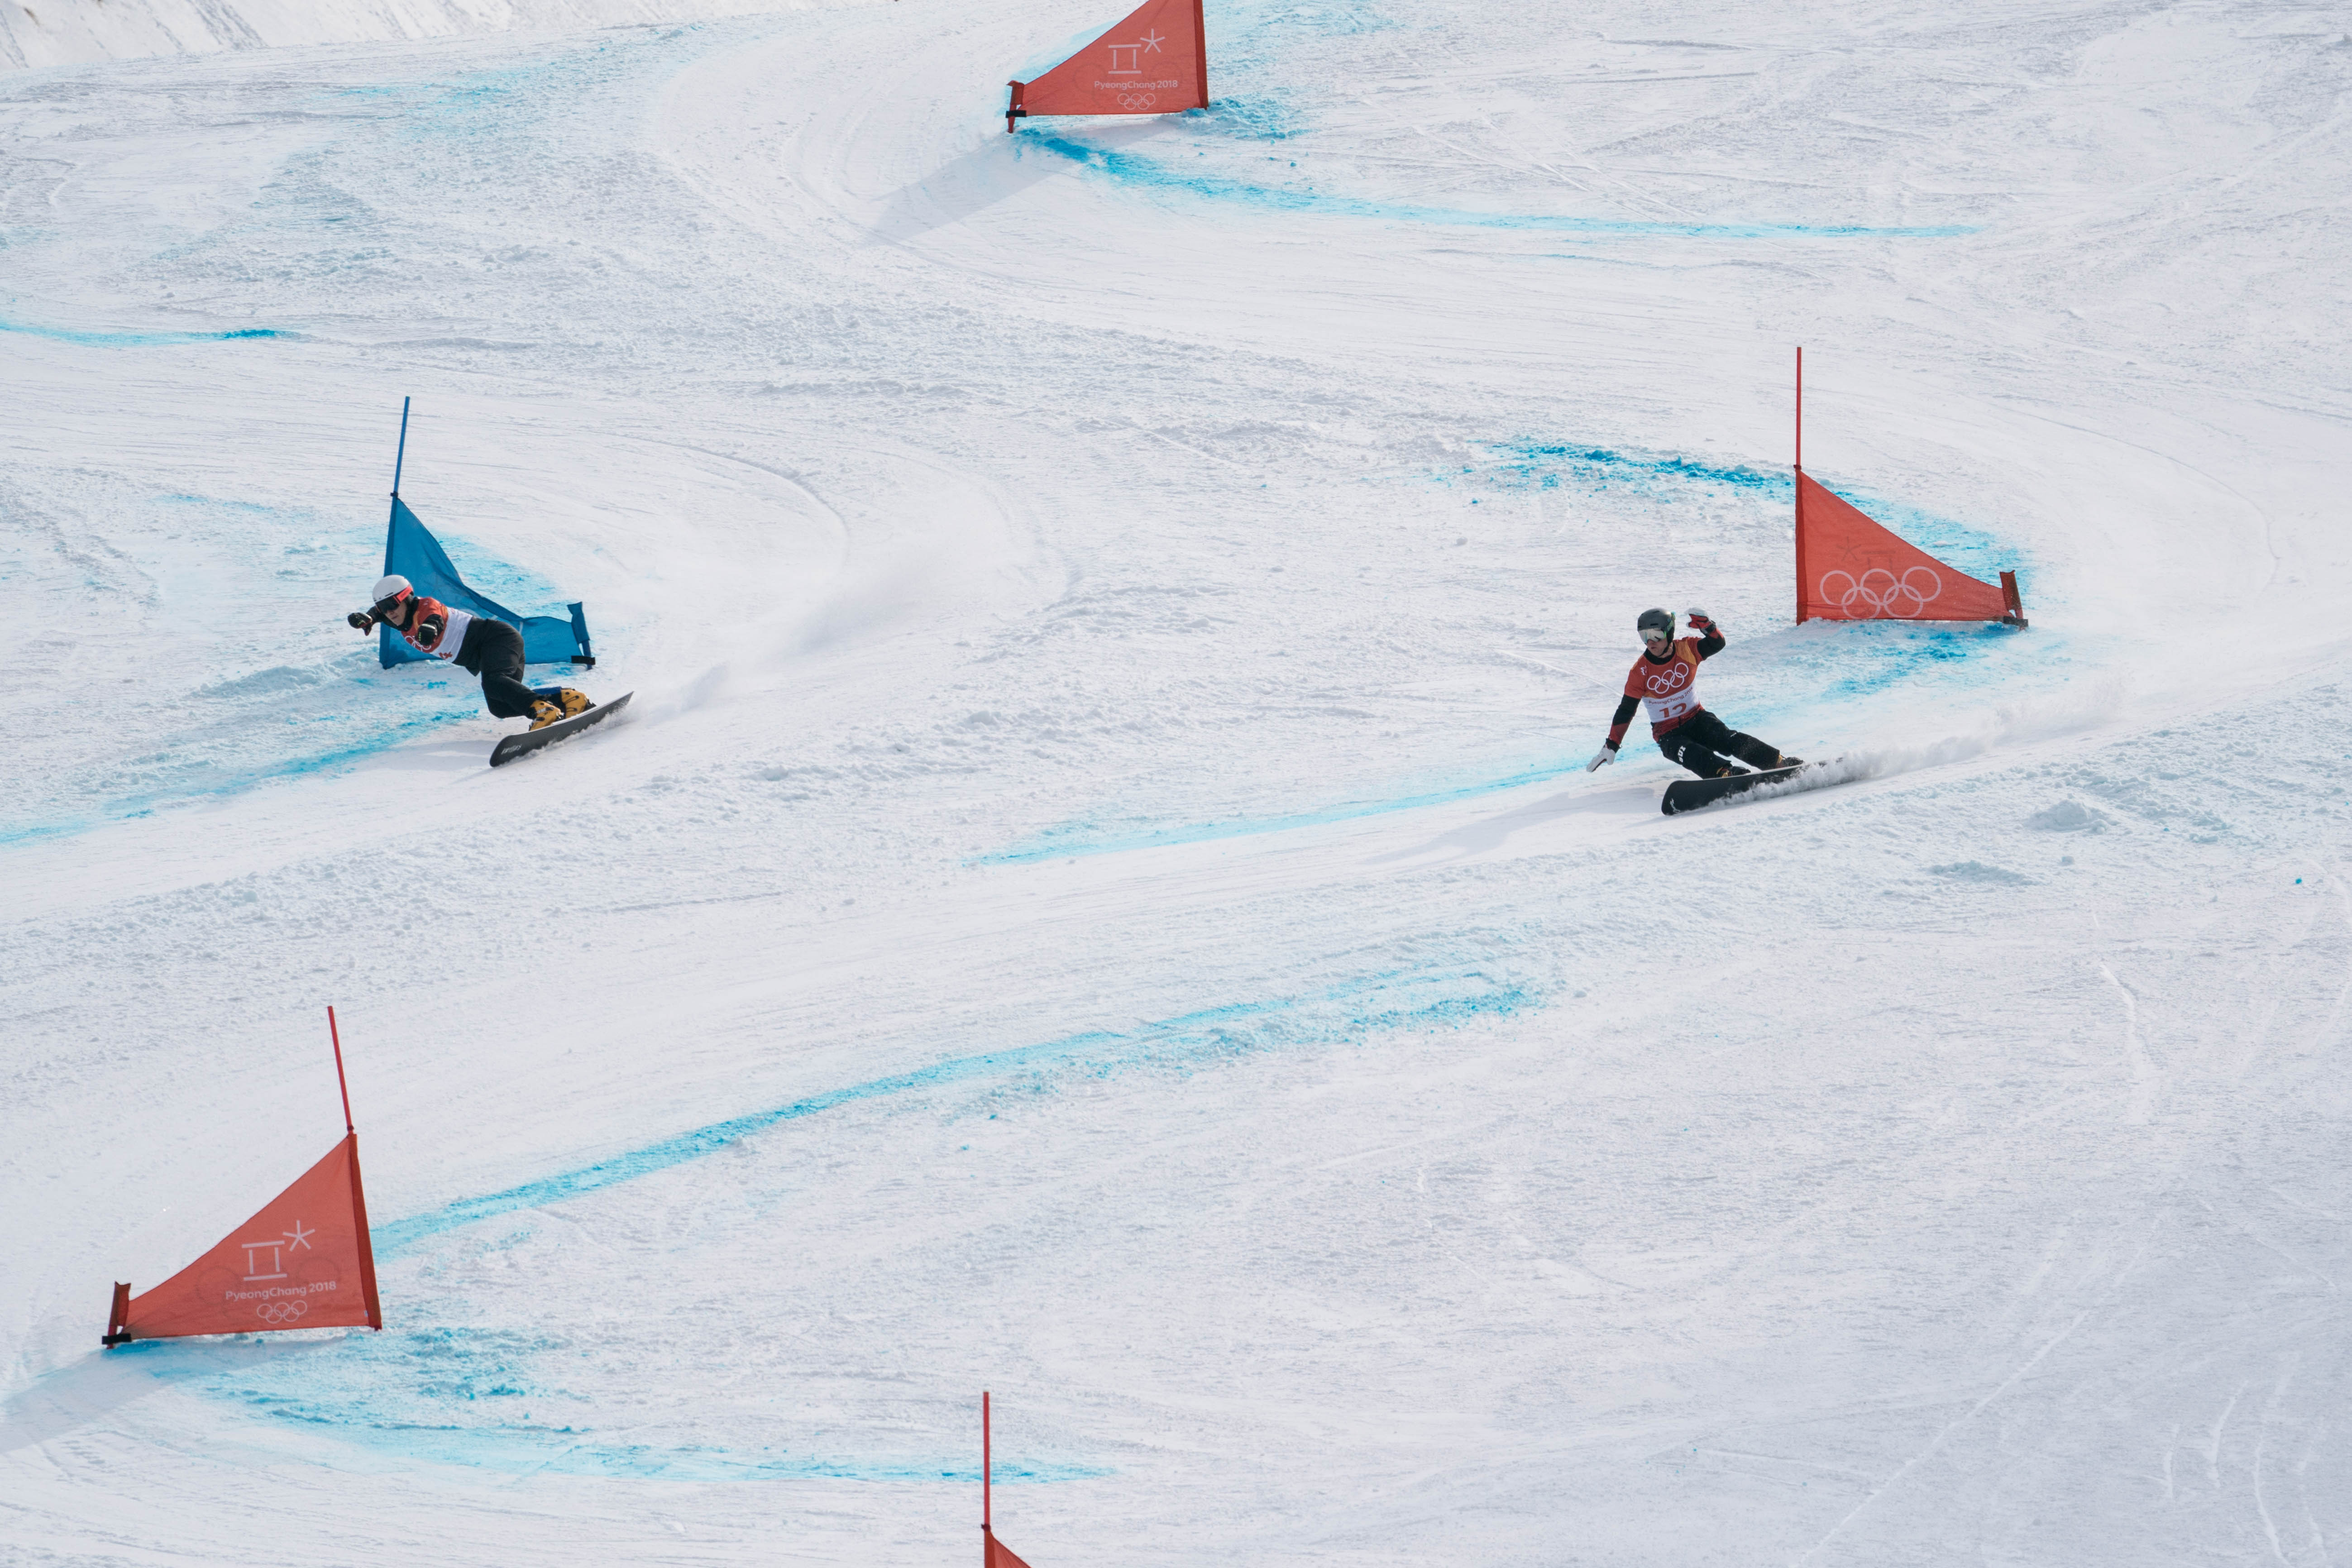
{"type": "Point", "coordinates": [531, 741]}
{"type": "Point", "coordinates": [1689, 794]}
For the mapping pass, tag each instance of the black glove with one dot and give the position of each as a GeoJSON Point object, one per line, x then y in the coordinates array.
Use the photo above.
{"type": "Point", "coordinates": [360, 620]}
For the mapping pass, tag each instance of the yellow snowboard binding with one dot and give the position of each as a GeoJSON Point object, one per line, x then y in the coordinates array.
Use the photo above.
{"type": "Point", "coordinates": [564, 704]}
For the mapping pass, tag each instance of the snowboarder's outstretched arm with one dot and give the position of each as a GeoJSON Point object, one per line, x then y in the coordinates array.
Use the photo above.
{"type": "Point", "coordinates": [427, 620]}
{"type": "Point", "coordinates": [1626, 708]}
{"type": "Point", "coordinates": [1710, 636]}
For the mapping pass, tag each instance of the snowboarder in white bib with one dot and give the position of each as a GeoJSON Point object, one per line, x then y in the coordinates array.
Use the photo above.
{"type": "Point", "coordinates": [1665, 678]}
{"type": "Point", "coordinates": [475, 644]}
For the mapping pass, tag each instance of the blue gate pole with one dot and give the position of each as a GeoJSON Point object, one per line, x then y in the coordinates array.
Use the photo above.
{"type": "Point", "coordinates": [403, 452]}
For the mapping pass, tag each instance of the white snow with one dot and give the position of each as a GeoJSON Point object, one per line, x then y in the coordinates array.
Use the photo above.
{"type": "Point", "coordinates": [1097, 896]}
{"type": "Point", "coordinates": [82, 32]}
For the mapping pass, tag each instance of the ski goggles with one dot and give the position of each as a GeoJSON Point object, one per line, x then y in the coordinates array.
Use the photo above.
{"type": "Point", "coordinates": [383, 607]}
{"type": "Point", "coordinates": [1658, 634]}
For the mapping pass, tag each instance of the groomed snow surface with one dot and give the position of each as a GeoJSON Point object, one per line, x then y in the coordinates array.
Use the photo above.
{"type": "Point", "coordinates": [79, 32]}
{"type": "Point", "coordinates": [1097, 896]}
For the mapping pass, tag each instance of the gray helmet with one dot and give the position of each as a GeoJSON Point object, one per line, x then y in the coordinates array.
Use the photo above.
{"type": "Point", "coordinates": [1663, 620]}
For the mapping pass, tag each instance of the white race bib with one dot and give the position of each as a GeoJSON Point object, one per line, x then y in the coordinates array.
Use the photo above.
{"type": "Point", "coordinates": [453, 636]}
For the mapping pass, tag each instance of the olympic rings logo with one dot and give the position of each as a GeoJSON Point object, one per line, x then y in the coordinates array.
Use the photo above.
{"type": "Point", "coordinates": [1670, 680]}
{"type": "Point", "coordinates": [1136, 100]}
{"type": "Point", "coordinates": [281, 1311]}
{"type": "Point", "coordinates": [1879, 593]}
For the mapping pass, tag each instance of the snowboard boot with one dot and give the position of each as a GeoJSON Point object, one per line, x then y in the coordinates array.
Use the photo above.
{"type": "Point", "coordinates": [563, 696]}
{"type": "Point", "coordinates": [1759, 755]}
{"type": "Point", "coordinates": [543, 713]}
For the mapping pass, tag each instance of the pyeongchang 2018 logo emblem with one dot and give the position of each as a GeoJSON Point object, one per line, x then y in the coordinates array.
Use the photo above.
{"type": "Point", "coordinates": [1665, 682]}
{"type": "Point", "coordinates": [1878, 593]}
{"type": "Point", "coordinates": [1127, 60]}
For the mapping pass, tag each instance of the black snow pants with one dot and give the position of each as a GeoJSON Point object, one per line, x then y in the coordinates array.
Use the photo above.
{"type": "Point", "coordinates": [493, 650]}
{"type": "Point", "coordinates": [1706, 745]}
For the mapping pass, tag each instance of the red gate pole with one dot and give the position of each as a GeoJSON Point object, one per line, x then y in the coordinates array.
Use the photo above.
{"type": "Point", "coordinates": [118, 1317]}
{"type": "Point", "coordinates": [1200, 49]}
{"type": "Point", "coordinates": [1800, 483]}
{"type": "Point", "coordinates": [335, 1034]}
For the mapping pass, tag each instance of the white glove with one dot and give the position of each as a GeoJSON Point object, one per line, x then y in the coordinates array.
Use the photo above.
{"type": "Point", "coordinates": [1600, 759]}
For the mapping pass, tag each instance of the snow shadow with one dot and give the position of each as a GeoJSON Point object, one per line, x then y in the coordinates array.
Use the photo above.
{"type": "Point", "coordinates": [971, 184]}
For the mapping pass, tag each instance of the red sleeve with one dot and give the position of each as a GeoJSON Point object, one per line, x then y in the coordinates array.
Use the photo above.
{"type": "Point", "coordinates": [426, 619]}
{"type": "Point", "coordinates": [1625, 709]}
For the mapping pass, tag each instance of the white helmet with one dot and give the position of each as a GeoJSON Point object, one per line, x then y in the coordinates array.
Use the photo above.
{"type": "Point", "coordinates": [390, 591]}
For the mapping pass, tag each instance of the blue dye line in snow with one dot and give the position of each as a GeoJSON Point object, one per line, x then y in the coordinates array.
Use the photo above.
{"type": "Point", "coordinates": [147, 803]}
{"type": "Point", "coordinates": [1070, 841]}
{"type": "Point", "coordinates": [561, 1451]}
{"type": "Point", "coordinates": [1213, 1032]}
{"type": "Point", "coordinates": [396, 1392]}
{"type": "Point", "coordinates": [1545, 465]}
{"type": "Point", "coordinates": [1825, 665]}
{"type": "Point", "coordinates": [1872, 656]}
{"type": "Point", "coordinates": [1134, 168]}
{"type": "Point", "coordinates": [135, 339]}
{"type": "Point", "coordinates": [1534, 462]}
{"type": "Point", "coordinates": [1869, 656]}
{"type": "Point", "coordinates": [297, 767]}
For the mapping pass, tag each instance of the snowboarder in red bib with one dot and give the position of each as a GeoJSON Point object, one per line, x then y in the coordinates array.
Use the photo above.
{"type": "Point", "coordinates": [475, 644]}
{"type": "Point", "coordinates": [1665, 679]}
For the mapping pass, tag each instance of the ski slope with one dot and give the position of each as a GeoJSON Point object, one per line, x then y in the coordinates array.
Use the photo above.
{"type": "Point", "coordinates": [1097, 896]}
{"type": "Point", "coordinates": [85, 32]}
